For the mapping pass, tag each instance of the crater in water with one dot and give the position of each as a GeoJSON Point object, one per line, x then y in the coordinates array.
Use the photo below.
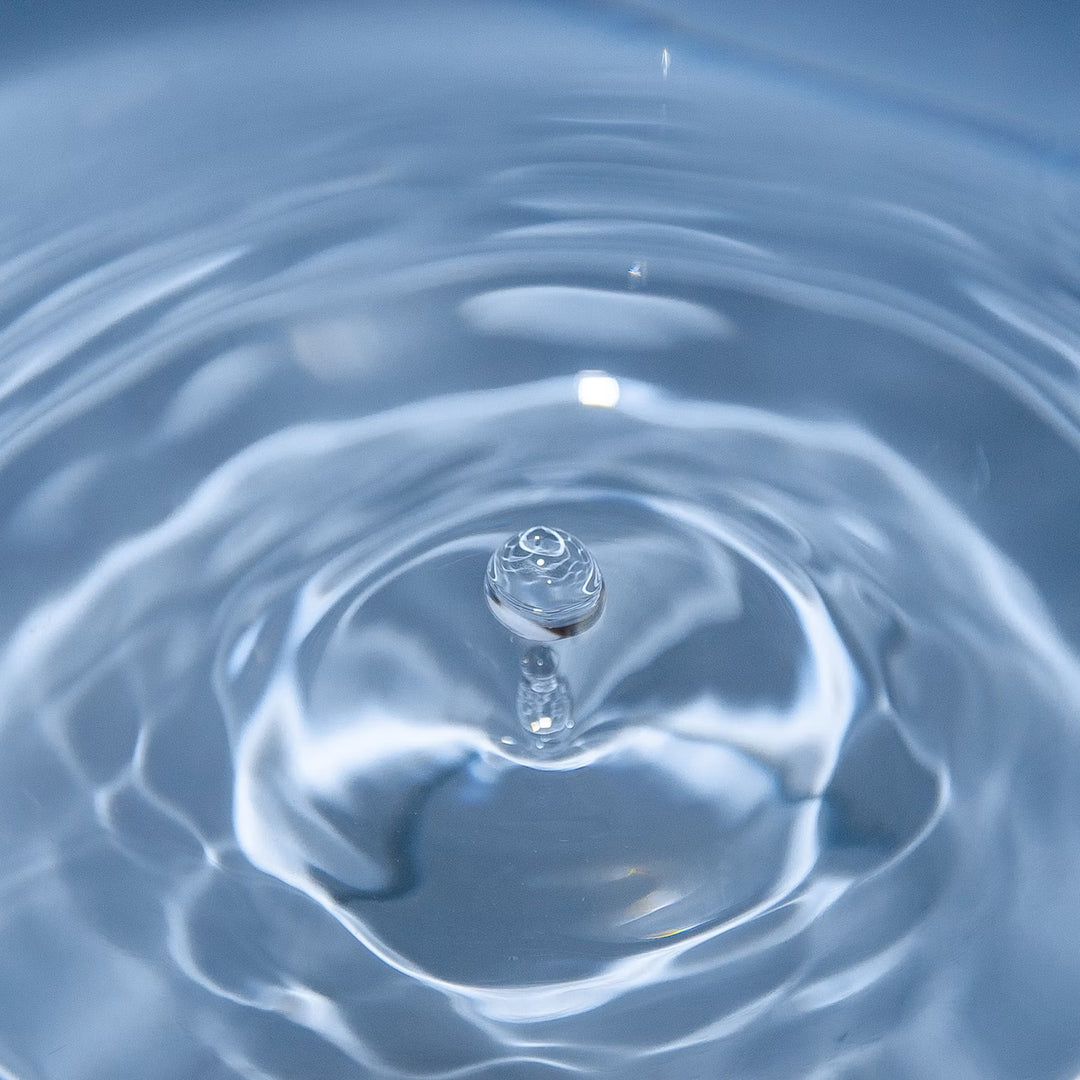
{"type": "Point", "coordinates": [744, 403]}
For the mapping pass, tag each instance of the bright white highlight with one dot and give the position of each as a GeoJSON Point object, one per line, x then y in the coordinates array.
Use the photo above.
{"type": "Point", "coordinates": [596, 388]}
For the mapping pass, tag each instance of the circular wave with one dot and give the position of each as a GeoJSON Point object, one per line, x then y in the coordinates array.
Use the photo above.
{"type": "Point", "coordinates": [753, 756]}
{"type": "Point", "coordinates": [268, 805]}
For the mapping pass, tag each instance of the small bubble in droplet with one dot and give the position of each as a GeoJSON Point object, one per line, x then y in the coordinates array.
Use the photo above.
{"type": "Point", "coordinates": [543, 584]}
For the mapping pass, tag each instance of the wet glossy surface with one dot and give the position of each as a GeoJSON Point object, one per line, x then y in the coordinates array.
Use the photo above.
{"type": "Point", "coordinates": [302, 315]}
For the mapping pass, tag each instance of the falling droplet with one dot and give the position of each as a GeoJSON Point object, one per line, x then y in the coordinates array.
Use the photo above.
{"type": "Point", "coordinates": [544, 584]}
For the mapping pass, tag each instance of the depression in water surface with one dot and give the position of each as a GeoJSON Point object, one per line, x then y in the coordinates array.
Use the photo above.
{"type": "Point", "coordinates": [536, 554]}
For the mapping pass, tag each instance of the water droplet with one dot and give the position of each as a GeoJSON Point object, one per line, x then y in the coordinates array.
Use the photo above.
{"type": "Point", "coordinates": [543, 699]}
{"type": "Point", "coordinates": [544, 584]}
{"type": "Point", "coordinates": [538, 665]}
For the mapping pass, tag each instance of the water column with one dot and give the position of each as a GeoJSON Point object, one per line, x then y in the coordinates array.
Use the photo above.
{"type": "Point", "coordinates": [544, 585]}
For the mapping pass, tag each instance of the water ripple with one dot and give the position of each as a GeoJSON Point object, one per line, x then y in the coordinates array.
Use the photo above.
{"type": "Point", "coordinates": [341, 713]}
{"type": "Point", "coordinates": [267, 808]}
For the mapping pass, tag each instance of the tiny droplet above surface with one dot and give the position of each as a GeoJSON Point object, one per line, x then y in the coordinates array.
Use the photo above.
{"type": "Point", "coordinates": [544, 584]}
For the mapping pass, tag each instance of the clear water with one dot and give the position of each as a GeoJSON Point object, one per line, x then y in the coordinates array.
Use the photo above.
{"type": "Point", "coordinates": [293, 310]}
{"type": "Point", "coordinates": [544, 584]}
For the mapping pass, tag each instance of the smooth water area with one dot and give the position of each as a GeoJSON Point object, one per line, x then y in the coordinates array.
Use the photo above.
{"type": "Point", "coordinates": [319, 327]}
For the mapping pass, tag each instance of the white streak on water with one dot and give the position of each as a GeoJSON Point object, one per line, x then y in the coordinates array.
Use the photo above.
{"type": "Point", "coordinates": [568, 315]}
{"type": "Point", "coordinates": [91, 305]}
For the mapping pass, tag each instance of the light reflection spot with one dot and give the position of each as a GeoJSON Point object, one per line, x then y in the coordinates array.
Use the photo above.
{"type": "Point", "coordinates": [598, 389]}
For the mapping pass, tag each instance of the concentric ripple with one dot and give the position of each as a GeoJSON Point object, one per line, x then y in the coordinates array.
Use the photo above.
{"type": "Point", "coordinates": [710, 812]}
{"type": "Point", "coordinates": [286, 355]}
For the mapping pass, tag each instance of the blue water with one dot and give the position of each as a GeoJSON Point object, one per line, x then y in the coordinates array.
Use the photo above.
{"type": "Point", "coordinates": [306, 310]}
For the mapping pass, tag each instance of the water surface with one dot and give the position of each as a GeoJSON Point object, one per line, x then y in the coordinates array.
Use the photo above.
{"type": "Point", "coordinates": [302, 314]}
